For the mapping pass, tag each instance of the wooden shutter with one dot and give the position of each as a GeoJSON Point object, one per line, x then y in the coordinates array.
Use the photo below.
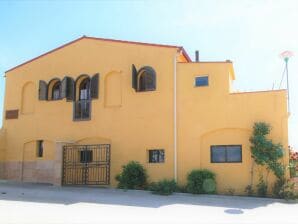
{"type": "Point", "coordinates": [68, 88]}
{"type": "Point", "coordinates": [134, 77]}
{"type": "Point", "coordinates": [94, 86]}
{"type": "Point", "coordinates": [43, 90]}
{"type": "Point", "coordinates": [63, 87]}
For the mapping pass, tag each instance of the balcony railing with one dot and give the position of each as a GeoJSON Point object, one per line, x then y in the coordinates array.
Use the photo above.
{"type": "Point", "coordinates": [82, 110]}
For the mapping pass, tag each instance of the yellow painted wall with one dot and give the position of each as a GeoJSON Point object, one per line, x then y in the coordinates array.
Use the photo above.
{"type": "Point", "coordinates": [214, 116]}
{"type": "Point", "coordinates": [113, 89]}
{"type": "Point", "coordinates": [29, 96]}
{"type": "Point", "coordinates": [133, 122]}
{"type": "Point", "coordinates": [2, 152]}
{"type": "Point", "coordinates": [30, 151]}
{"type": "Point", "coordinates": [132, 128]}
{"type": "Point", "coordinates": [2, 145]}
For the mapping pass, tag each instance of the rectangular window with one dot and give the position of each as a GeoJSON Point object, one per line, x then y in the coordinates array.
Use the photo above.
{"type": "Point", "coordinates": [82, 110]}
{"type": "Point", "coordinates": [39, 147]}
{"type": "Point", "coordinates": [201, 81]}
{"type": "Point", "coordinates": [226, 154]}
{"type": "Point", "coordinates": [86, 156]}
{"type": "Point", "coordinates": [156, 156]}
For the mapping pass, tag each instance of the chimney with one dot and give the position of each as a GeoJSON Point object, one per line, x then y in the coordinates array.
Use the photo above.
{"type": "Point", "coordinates": [197, 56]}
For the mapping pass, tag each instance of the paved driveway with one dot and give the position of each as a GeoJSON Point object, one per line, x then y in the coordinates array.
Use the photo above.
{"type": "Point", "coordinates": [32, 203]}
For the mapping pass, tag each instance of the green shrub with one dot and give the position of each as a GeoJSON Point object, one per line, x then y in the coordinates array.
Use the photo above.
{"type": "Point", "coordinates": [284, 189]}
{"type": "Point", "coordinates": [292, 167]}
{"type": "Point", "coordinates": [133, 176]}
{"type": "Point", "coordinates": [265, 152]}
{"type": "Point", "coordinates": [163, 187]}
{"type": "Point", "coordinates": [262, 187]}
{"type": "Point", "coordinates": [201, 181]}
{"type": "Point", "coordinates": [278, 185]}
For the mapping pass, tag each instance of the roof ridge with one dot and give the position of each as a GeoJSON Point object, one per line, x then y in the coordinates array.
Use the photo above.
{"type": "Point", "coordinates": [102, 39]}
{"type": "Point", "coordinates": [132, 42]}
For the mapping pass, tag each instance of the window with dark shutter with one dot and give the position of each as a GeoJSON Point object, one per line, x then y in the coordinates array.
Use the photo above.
{"type": "Point", "coordinates": [43, 90]}
{"type": "Point", "coordinates": [144, 79]}
{"type": "Point", "coordinates": [82, 105]}
{"type": "Point", "coordinates": [134, 77]}
{"type": "Point", "coordinates": [94, 86]}
{"type": "Point", "coordinates": [56, 91]}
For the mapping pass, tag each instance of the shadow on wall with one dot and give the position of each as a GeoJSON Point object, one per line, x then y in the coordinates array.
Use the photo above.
{"type": "Point", "coordinates": [70, 195]}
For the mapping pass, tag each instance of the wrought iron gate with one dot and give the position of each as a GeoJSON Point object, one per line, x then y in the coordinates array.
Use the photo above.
{"type": "Point", "coordinates": [86, 164]}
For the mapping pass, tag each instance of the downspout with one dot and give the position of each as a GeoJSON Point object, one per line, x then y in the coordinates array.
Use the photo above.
{"type": "Point", "coordinates": [175, 118]}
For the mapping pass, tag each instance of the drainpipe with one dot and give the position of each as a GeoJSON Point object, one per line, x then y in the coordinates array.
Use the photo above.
{"type": "Point", "coordinates": [175, 118]}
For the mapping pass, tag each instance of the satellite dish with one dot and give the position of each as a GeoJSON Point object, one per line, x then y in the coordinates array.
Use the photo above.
{"type": "Point", "coordinates": [286, 55]}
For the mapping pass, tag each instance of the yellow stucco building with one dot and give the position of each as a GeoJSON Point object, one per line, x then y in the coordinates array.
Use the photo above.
{"type": "Point", "coordinates": [76, 114]}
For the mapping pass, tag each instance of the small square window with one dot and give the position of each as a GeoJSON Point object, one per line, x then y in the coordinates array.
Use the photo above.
{"type": "Point", "coordinates": [86, 156]}
{"type": "Point", "coordinates": [39, 147]}
{"type": "Point", "coordinates": [201, 81]}
{"type": "Point", "coordinates": [156, 156]}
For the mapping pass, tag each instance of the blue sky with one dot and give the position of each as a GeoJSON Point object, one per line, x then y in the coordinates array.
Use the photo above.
{"type": "Point", "coordinates": [250, 33]}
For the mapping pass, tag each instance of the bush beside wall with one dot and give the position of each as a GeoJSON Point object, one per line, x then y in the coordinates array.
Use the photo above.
{"type": "Point", "coordinates": [133, 176]}
{"type": "Point", "coordinates": [201, 181]}
{"type": "Point", "coordinates": [163, 187]}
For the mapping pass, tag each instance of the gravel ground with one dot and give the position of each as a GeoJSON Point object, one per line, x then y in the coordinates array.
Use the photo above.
{"type": "Point", "coordinates": [38, 203]}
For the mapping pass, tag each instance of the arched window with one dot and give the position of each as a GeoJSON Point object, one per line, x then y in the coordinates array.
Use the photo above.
{"type": "Point", "coordinates": [144, 79]}
{"type": "Point", "coordinates": [82, 105]}
{"type": "Point", "coordinates": [84, 89]}
{"type": "Point", "coordinates": [56, 91]}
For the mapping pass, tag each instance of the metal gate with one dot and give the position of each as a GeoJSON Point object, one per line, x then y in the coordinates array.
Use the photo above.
{"type": "Point", "coordinates": [86, 164]}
